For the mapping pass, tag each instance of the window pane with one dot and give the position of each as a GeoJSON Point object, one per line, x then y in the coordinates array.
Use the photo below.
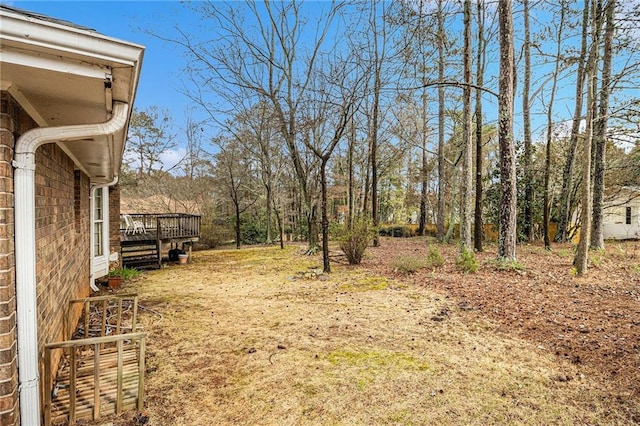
{"type": "Point", "coordinates": [97, 238]}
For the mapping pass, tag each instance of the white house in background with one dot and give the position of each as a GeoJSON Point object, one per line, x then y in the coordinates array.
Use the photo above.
{"type": "Point", "coordinates": [622, 215]}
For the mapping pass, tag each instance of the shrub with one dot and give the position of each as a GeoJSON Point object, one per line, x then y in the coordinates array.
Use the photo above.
{"type": "Point", "coordinates": [408, 264]}
{"type": "Point", "coordinates": [354, 241]}
{"type": "Point", "coordinates": [467, 261]}
{"type": "Point", "coordinates": [125, 273]}
{"type": "Point", "coordinates": [434, 258]}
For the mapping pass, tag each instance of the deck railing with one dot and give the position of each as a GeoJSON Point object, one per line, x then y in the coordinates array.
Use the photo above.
{"type": "Point", "coordinates": [165, 225]}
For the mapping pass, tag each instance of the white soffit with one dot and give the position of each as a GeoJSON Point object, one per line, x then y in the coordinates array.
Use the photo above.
{"type": "Point", "coordinates": [66, 75]}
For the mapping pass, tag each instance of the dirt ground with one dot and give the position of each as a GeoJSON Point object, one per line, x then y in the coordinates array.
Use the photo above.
{"type": "Point", "coordinates": [260, 337]}
{"type": "Point", "coordinates": [592, 321]}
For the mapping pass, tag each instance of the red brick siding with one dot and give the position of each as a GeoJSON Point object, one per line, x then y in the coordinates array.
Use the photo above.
{"type": "Point", "coordinates": [62, 246]}
{"type": "Point", "coordinates": [9, 124]}
{"type": "Point", "coordinates": [62, 263]}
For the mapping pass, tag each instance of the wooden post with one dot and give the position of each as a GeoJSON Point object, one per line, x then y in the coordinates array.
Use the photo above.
{"type": "Point", "coordinates": [119, 375]}
{"type": "Point", "coordinates": [72, 386]}
{"type": "Point", "coordinates": [119, 319]}
{"type": "Point", "coordinates": [96, 380]}
{"type": "Point", "coordinates": [134, 317]}
{"type": "Point", "coordinates": [47, 386]}
{"type": "Point", "coordinates": [87, 308]}
{"type": "Point", "coordinates": [141, 359]}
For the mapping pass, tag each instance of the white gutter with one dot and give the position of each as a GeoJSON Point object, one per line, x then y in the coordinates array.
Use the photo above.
{"type": "Point", "coordinates": [25, 247]}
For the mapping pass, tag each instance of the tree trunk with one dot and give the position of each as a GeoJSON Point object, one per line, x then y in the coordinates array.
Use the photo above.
{"type": "Point", "coordinates": [280, 225]}
{"type": "Point", "coordinates": [600, 130]}
{"type": "Point", "coordinates": [581, 260]}
{"type": "Point", "coordinates": [350, 186]}
{"type": "Point", "coordinates": [441, 111]}
{"type": "Point", "coordinates": [374, 150]}
{"type": "Point", "coordinates": [237, 224]}
{"type": "Point", "coordinates": [507, 225]}
{"type": "Point", "coordinates": [526, 118]}
{"type": "Point", "coordinates": [268, 212]}
{"type": "Point", "coordinates": [325, 218]}
{"type": "Point", "coordinates": [565, 194]}
{"type": "Point", "coordinates": [547, 161]}
{"type": "Point", "coordinates": [480, 58]}
{"type": "Point", "coordinates": [467, 171]}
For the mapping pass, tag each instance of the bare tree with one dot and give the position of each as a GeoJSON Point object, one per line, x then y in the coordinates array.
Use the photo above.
{"type": "Point", "coordinates": [263, 61]}
{"type": "Point", "coordinates": [440, 218]}
{"type": "Point", "coordinates": [235, 175]}
{"type": "Point", "coordinates": [507, 228]}
{"type": "Point", "coordinates": [150, 135]}
{"type": "Point", "coordinates": [600, 129]}
{"type": "Point", "coordinates": [526, 118]}
{"type": "Point", "coordinates": [547, 162]}
{"type": "Point", "coordinates": [480, 66]}
{"type": "Point", "coordinates": [562, 232]}
{"type": "Point", "coordinates": [332, 104]}
{"type": "Point", "coordinates": [467, 153]}
{"type": "Point", "coordinates": [581, 260]}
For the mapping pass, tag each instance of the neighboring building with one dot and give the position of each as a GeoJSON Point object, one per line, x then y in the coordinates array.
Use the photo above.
{"type": "Point", "coordinates": [622, 215]}
{"type": "Point", "coordinates": [66, 98]}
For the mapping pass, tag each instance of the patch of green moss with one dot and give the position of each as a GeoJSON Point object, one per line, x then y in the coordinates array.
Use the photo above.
{"type": "Point", "coordinates": [376, 360]}
{"type": "Point", "coordinates": [366, 284]}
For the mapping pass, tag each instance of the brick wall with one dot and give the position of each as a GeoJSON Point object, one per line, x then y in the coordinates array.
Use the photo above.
{"type": "Point", "coordinates": [10, 124]}
{"type": "Point", "coordinates": [62, 244]}
{"type": "Point", "coordinates": [62, 240]}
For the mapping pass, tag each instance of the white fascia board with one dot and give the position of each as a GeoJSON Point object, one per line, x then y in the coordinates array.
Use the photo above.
{"type": "Point", "coordinates": [49, 62]}
{"type": "Point", "coordinates": [50, 37]}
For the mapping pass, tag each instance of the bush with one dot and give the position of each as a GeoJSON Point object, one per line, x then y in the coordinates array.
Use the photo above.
{"type": "Point", "coordinates": [355, 241]}
{"type": "Point", "coordinates": [434, 258]}
{"type": "Point", "coordinates": [403, 231]}
{"type": "Point", "coordinates": [408, 264]}
{"type": "Point", "coordinates": [125, 273]}
{"type": "Point", "coordinates": [467, 261]}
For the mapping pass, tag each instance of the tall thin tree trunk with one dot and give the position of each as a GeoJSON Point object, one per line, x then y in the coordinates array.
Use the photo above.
{"type": "Point", "coordinates": [526, 117]}
{"type": "Point", "coordinates": [377, 82]}
{"type": "Point", "coordinates": [467, 171]}
{"type": "Point", "coordinates": [547, 161]}
{"type": "Point", "coordinates": [268, 213]}
{"type": "Point", "coordinates": [480, 55]}
{"type": "Point", "coordinates": [237, 224]}
{"type": "Point", "coordinates": [350, 185]}
{"type": "Point", "coordinates": [325, 217]}
{"type": "Point", "coordinates": [280, 225]}
{"type": "Point", "coordinates": [600, 130]}
{"type": "Point", "coordinates": [581, 260]}
{"type": "Point", "coordinates": [565, 194]}
{"type": "Point", "coordinates": [507, 225]}
{"type": "Point", "coordinates": [441, 110]}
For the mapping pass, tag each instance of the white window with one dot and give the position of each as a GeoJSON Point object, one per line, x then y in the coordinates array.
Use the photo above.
{"type": "Point", "coordinates": [100, 232]}
{"type": "Point", "coordinates": [98, 224]}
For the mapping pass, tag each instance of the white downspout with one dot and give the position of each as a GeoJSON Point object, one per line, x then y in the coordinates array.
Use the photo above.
{"type": "Point", "coordinates": [25, 247]}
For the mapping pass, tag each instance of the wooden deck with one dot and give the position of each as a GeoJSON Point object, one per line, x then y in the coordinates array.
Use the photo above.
{"type": "Point", "coordinates": [143, 245]}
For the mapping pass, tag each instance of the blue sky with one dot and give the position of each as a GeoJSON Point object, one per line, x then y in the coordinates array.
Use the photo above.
{"type": "Point", "coordinates": [160, 81]}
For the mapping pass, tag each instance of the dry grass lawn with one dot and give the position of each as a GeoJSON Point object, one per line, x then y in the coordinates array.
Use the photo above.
{"type": "Point", "coordinates": [255, 337]}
